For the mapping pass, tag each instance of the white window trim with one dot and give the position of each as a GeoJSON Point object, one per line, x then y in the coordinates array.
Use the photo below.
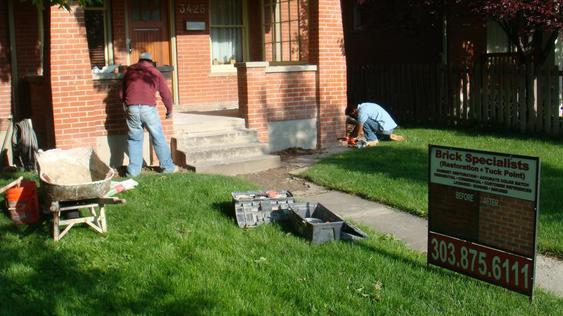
{"type": "Point", "coordinates": [227, 68]}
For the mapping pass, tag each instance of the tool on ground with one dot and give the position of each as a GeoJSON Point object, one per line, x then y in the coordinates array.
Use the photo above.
{"type": "Point", "coordinates": [311, 220]}
{"type": "Point", "coordinates": [117, 187]}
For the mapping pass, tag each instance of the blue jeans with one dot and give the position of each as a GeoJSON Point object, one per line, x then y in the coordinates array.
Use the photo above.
{"type": "Point", "coordinates": [373, 130]}
{"type": "Point", "coordinates": [138, 118]}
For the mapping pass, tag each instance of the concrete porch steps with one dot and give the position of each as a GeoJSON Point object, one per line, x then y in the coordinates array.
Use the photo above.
{"type": "Point", "coordinates": [222, 152]}
{"type": "Point", "coordinates": [238, 166]}
{"type": "Point", "coordinates": [219, 145]}
{"type": "Point", "coordinates": [234, 136]}
{"type": "Point", "coordinates": [201, 123]}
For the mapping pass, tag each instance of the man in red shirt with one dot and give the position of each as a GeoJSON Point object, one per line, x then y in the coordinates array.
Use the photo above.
{"type": "Point", "coordinates": [140, 84]}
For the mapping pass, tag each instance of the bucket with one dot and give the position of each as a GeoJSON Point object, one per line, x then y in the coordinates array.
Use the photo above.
{"type": "Point", "coordinates": [22, 203]}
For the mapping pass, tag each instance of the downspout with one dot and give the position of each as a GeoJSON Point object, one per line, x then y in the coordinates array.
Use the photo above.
{"type": "Point", "coordinates": [173, 47]}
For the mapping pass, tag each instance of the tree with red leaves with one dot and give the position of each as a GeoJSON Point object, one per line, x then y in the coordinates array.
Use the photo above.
{"type": "Point", "coordinates": [532, 26]}
{"type": "Point", "coordinates": [66, 3]}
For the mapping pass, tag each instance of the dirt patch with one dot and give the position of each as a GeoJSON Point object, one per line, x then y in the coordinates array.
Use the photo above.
{"type": "Point", "coordinates": [277, 179]}
{"type": "Point", "coordinates": [291, 153]}
{"type": "Point", "coordinates": [281, 178]}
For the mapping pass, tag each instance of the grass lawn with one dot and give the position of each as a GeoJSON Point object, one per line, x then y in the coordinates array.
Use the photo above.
{"type": "Point", "coordinates": [174, 249]}
{"type": "Point", "coordinates": [397, 173]}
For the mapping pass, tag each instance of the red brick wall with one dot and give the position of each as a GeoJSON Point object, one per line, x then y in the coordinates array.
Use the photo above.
{"type": "Point", "coordinates": [326, 50]}
{"type": "Point", "coordinates": [83, 109]}
{"type": "Point", "coordinates": [275, 96]}
{"type": "Point", "coordinates": [494, 220]}
{"type": "Point", "coordinates": [509, 226]}
{"type": "Point", "coordinates": [199, 88]}
{"type": "Point", "coordinates": [5, 70]}
{"type": "Point", "coordinates": [452, 216]}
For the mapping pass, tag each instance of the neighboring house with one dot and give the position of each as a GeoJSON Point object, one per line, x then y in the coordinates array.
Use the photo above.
{"type": "Point", "coordinates": [279, 62]}
{"type": "Point", "coordinates": [390, 32]}
{"type": "Point", "coordinates": [453, 68]}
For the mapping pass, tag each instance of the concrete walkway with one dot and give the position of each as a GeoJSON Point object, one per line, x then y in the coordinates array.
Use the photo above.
{"type": "Point", "coordinates": [411, 229]}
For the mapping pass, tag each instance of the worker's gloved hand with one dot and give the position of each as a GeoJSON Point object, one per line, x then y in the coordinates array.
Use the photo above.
{"type": "Point", "coordinates": [168, 115]}
{"type": "Point", "coordinates": [351, 140]}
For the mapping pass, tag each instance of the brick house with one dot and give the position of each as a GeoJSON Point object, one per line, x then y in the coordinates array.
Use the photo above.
{"type": "Point", "coordinates": [279, 62]}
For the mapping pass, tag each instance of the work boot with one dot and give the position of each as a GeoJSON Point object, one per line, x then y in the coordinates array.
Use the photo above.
{"type": "Point", "coordinates": [397, 138]}
{"type": "Point", "coordinates": [372, 143]}
{"type": "Point", "coordinates": [175, 170]}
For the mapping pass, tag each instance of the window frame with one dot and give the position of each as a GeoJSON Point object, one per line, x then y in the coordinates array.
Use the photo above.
{"type": "Point", "coordinates": [245, 45]}
{"type": "Point", "coordinates": [277, 45]}
{"type": "Point", "coordinates": [108, 40]}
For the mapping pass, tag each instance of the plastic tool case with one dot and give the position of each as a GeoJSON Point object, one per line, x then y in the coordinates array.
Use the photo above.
{"type": "Point", "coordinates": [318, 224]}
{"type": "Point", "coordinates": [253, 208]}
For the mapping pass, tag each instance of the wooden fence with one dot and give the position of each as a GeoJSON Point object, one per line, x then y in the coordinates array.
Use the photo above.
{"type": "Point", "coordinates": [496, 93]}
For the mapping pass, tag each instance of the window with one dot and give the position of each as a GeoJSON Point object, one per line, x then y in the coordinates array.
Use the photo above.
{"type": "Point", "coordinates": [146, 10]}
{"type": "Point", "coordinates": [227, 29]}
{"type": "Point", "coordinates": [286, 30]}
{"type": "Point", "coordinates": [98, 35]}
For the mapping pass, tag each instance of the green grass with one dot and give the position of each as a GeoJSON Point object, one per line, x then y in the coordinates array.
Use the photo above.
{"type": "Point", "coordinates": [173, 249]}
{"type": "Point", "coordinates": [397, 173]}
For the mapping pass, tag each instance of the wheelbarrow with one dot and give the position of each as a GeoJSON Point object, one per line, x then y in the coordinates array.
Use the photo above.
{"type": "Point", "coordinates": [73, 180]}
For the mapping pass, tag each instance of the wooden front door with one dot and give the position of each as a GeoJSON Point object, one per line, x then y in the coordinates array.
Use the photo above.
{"type": "Point", "coordinates": [148, 30]}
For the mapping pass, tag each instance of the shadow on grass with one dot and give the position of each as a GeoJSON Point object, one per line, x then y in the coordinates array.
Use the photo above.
{"type": "Point", "coordinates": [42, 277]}
{"type": "Point", "coordinates": [478, 131]}
{"type": "Point", "coordinates": [226, 208]}
{"type": "Point", "coordinates": [395, 162]}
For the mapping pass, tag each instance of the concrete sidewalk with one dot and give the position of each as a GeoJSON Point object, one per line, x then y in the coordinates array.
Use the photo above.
{"type": "Point", "coordinates": [411, 229]}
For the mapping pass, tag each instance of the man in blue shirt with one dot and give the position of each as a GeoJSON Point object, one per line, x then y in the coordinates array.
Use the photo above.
{"type": "Point", "coordinates": [374, 121]}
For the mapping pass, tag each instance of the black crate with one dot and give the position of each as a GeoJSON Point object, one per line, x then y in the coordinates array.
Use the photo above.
{"type": "Point", "coordinates": [253, 208]}
{"type": "Point", "coordinates": [315, 222]}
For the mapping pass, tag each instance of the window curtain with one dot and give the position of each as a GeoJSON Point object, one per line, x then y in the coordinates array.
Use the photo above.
{"type": "Point", "coordinates": [226, 33]}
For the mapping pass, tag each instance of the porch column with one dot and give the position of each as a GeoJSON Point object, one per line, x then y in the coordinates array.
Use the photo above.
{"type": "Point", "coordinates": [71, 79]}
{"type": "Point", "coordinates": [327, 51]}
{"type": "Point", "coordinates": [252, 96]}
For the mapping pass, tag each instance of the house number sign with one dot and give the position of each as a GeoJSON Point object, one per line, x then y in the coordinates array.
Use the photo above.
{"type": "Point", "coordinates": [192, 9]}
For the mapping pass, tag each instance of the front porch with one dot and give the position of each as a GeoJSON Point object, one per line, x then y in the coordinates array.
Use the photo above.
{"type": "Point", "coordinates": [219, 143]}
{"type": "Point", "coordinates": [285, 87]}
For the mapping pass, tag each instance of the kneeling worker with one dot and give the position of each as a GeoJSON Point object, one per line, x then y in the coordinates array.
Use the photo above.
{"type": "Point", "coordinates": [375, 122]}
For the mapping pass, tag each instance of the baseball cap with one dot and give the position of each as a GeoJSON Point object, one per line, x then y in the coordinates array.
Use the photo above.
{"type": "Point", "coordinates": [146, 56]}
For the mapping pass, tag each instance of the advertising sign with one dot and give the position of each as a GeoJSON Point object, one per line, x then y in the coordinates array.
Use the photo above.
{"type": "Point", "coordinates": [482, 215]}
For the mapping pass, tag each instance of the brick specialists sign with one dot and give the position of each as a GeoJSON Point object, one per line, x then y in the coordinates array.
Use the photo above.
{"type": "Point", "coordinates": [482, 215]}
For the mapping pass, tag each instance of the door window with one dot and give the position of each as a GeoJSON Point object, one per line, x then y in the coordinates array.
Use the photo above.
{"type": "Point", "coordinates": [146, 10]}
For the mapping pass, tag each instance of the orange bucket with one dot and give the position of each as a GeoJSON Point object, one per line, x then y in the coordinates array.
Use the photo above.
{"type": "Point", "coordinates": [22, 203]}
